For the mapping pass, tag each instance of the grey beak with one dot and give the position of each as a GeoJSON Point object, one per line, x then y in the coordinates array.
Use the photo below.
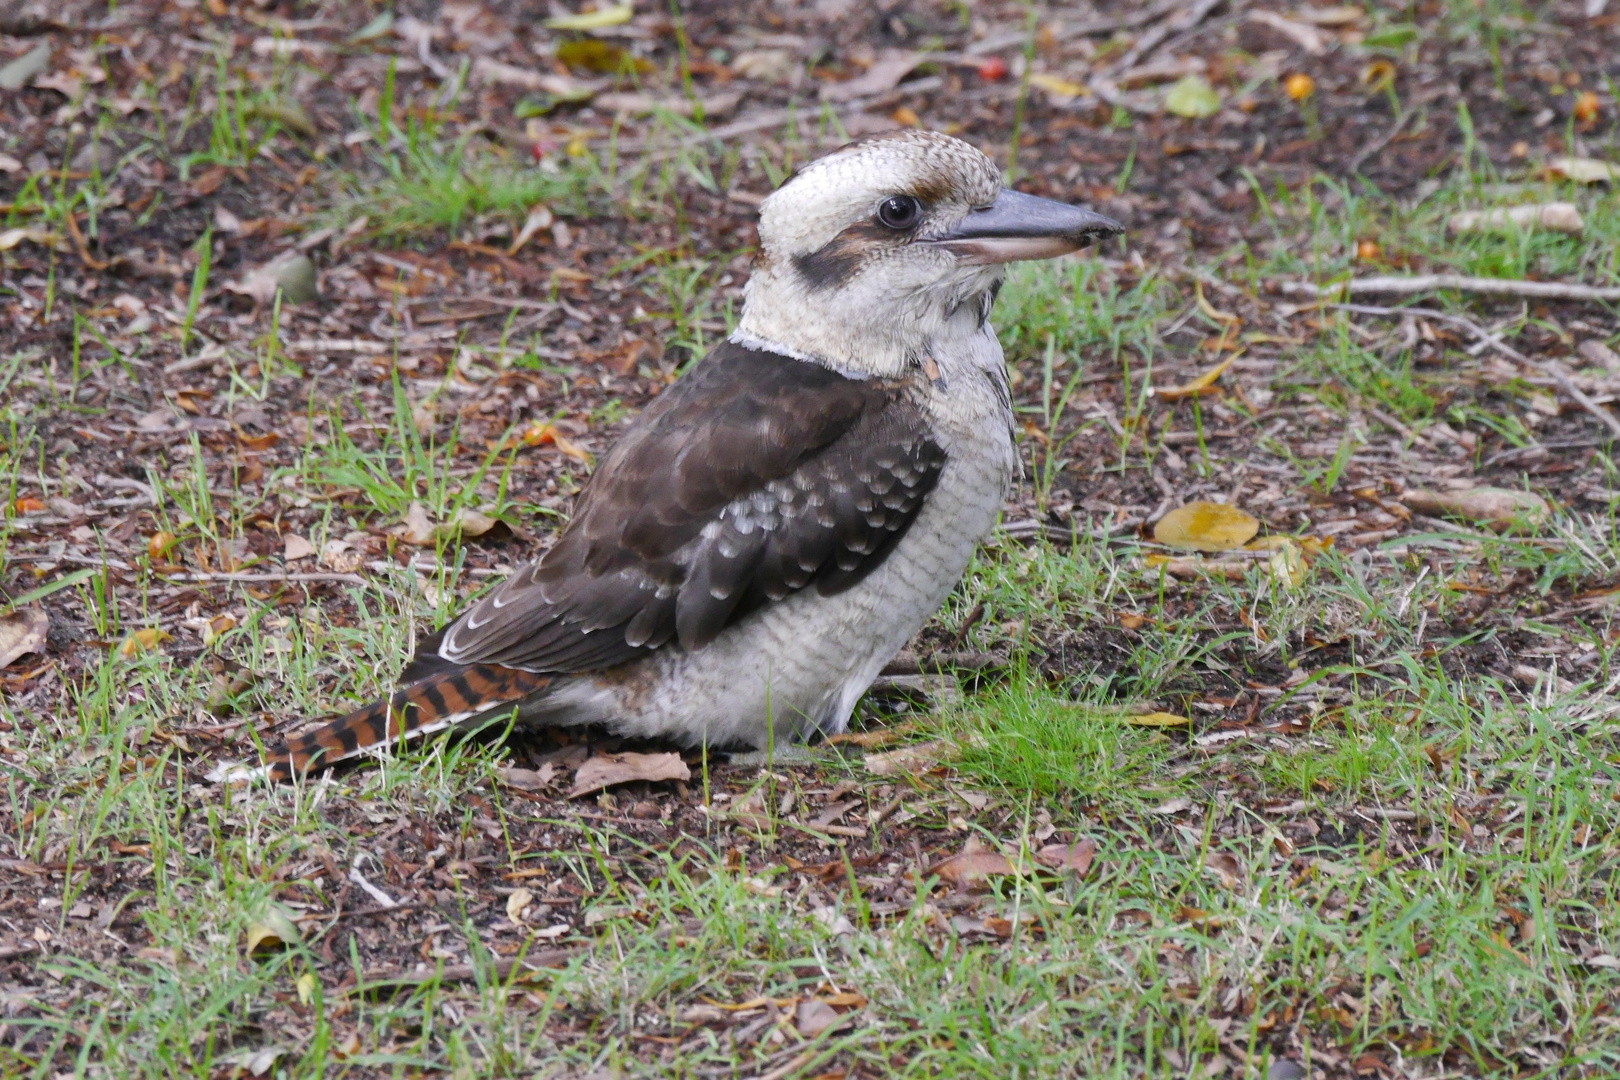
{"type": "Point", "coordinates": [1018, 226]}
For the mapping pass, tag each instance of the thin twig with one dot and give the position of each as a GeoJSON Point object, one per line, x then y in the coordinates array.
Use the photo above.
{"type": "Point", "coordinates": [1378, 144]}
{"type": "Point", "coordinates": [1422, 283]}
{"type": "Point", "coordinates": [267, 579]}
{"type": "Point", "coordinates": [1149, 41]}
{"type": "Point", "coordinates": [1082, 29]}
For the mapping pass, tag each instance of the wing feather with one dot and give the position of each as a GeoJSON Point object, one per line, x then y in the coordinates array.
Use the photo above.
{"type": "Point", "coordinates": [751, 478]}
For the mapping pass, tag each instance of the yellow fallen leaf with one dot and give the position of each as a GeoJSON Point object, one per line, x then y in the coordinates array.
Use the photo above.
{"type": "Point", "coordinates": [1058, 87]}
{"type": "Point", "coordinates": [1193, 97]}
{"type": "Point", "coordinates": [600, 19]}
{"type": "Point", "coordinates": [306, 987]}
{"type": "Point", "coordinates": [1206, 526]}
{"type": "Point", "coordinates": [539, 433]}
{"type": "Point", "coordinates": [1210, 309]}
{"type": "Point", "coordinates": [143, 641]}
{"type": "Point", "coordinates": [217, 626]}
{"type": "Point", "coordinates": [1199, 386]}
{"type": "Point", "coordinates": [1316, 546]}
{"type": "Point", "coordinates": [516, 902]}
{"type": "Point", "coordinates": [571, 449]}
{"type": "Point", "coordinates": [1287, 562]}
{"type": "Point", "coordinates": [272, 930]}
{"type": "Point", "coordinates": [1157, 719]}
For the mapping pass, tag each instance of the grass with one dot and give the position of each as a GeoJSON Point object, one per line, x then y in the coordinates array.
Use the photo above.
{"type": "Point", "coordinates": [1407, 851]}
{"type": "Point", "coordinates": [426, 183]}
{"type": "Point", "coordinates": [1203, 930]}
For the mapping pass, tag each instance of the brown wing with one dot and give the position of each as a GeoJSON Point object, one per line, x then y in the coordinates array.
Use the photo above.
{"type": "Point", "coordinates": [752, 477]}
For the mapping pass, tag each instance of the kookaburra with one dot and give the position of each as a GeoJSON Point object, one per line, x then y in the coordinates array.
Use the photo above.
{"type": "Point", "coordinates": [781, 520]}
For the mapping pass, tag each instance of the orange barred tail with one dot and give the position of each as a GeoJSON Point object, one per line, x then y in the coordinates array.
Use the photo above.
{"type": "Point", "coordinates": [433, 704]}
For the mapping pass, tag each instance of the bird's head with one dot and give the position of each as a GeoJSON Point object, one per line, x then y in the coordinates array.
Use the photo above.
{"type": "Point", "coordinates": [868, 254]}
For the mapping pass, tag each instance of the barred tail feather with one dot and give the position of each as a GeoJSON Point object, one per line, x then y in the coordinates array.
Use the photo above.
{"type": "Point", "coordinates": [435, 703]}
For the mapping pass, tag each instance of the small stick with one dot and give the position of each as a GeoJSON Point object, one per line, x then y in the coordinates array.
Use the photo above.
{"type": "Point", "coordinates": [1422, 283]}
{"type": "Point", "coordinates": [1149, 41]}
{"type": "Point", "coordinates": [268, 579]}
{"type": "Point", "coordinates": [1378, 144]}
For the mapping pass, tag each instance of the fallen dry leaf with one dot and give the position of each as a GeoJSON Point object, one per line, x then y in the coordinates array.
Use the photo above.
{"type": "Point", "coordinates": [1588, 106]}
{"type": "Point", "coordinates": [605, 770]}
{"type": "Point", "coordinates": [1157, 719]}
{"type": "Point", "coordinates": [539, 218]}
{"type": "Point", "coordinates": [1344, 15]}
{"type": "Point", "coordinates": [143, 641]}
{"type": "Point", "coordinates": [1206, 526]}
{"type": "Point", "coordinates": [22, 632]}
{"type": "Point", "coordinates": [600, 19]}
{"type": "Point", "coordinates": [12, 237]}
{"type": "Point", "coordinates": [1193, 97]}
{"type": "Point", "coordinates": [1559, 217]}
{"type": "Point", "coordinates": [974, 863]}
{"type": "Point", "coordinates": [272, 930]}
{"type": "Point", "coordinates": [1063, 90]}
{"type": "Point", "coordinates": [527, 779]}
{"type": "Point", "coordinates": [1076, 856]}
{"type": "Point", "coordinates": [295, 547]}
{"type": "Point", "coordinates": [419, 529]}
{"type": "Point", "coordinates": [1597, 352]}
{"type": "Point", "coordinates": [295, 276]}
{"type": "Point", "coordinates": [766, 65]}
{"type": "Point", "coordinates": [516, 902]}
{"type": "Point", "coordinates": [1203, 384]}
{"type": "Point", "coordinates": [593, 56]}
{"type": "Point", "coordinates": [1583, 170]}
{"type": "Point", "coordinates": [1226, 869]}
{"type": "Point", "coordinates": [815, 1016]}
{"type": "Point", "coordinates": [884, 75]}
{"type": "Point", "coordinates": [1304, 35]}
{"type": "Point", "coordinates": [1501, 509]}
{"type": "Point", "coordinates": [540, 434]}
{"type": "Point", "coordinates": [469, 523]}
{"type": "Point", "coordinates": [1287, 563]}
{"type": "Point", "coordinates": [911, 760]}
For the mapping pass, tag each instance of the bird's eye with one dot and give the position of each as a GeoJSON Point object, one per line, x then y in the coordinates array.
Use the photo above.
{"type": "Point", "coordinates": [899, 212]}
